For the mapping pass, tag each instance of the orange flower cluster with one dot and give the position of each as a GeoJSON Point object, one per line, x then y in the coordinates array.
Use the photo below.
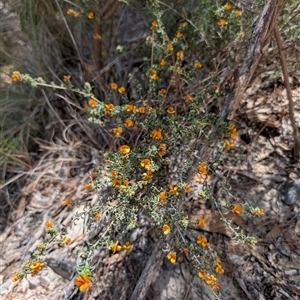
{"type": "Point", "coordinates": [128, 123]}
{"type": "Point", "coordinates": [179, 54]}
{"type": "Point", "coordinates": [237, 209]}
{"type": "Point", "coordinates": [68, 202]}
{"type": "Point", "coordinates": [171, 110]}
{"type": "Point", "coordinates": [210, 279]}
{"type": "Point", "coordinates": [145, 163]}
{"type": "Point", "coordinates": [67, 241]}
{"type": "Point", "coordinates": [118, 182]}
{"type": "Point", "coordinates": [156, 134]}
{"type": "Point", "coordinates": [173, 189]}
{"type": "Point", "coordinates": [49, 224]}
{"type": "Point", "coordinates": [121, 89]}
{"type": "Point", "coordinates": [227, 6]}
{"type": "Point", "coordinates": [113, 86]}
{"type": "Point", "coordinates": [108, 108]}
{"type": "Point", "coordinates": [117, 131]}
{"type": "Point", "coordinates": [202, 169]}
{"type": "Point", "coordinates": [82, 282]}
{"type": "Point", "coordinates": [233, 133]}
{"type": "Point", "coordinates": [153, 75]}
{"type": "Point", "coordinates": [16, 76]}
{"type": "Point", "coordinates": [163, 196]}
{"type": "Point", "coordinates": [36, 267]}
{"type": "Point", "coordinates": [201, 223]}
{"type": "Point", "coordinates": [172, 257]}
{"type": "Point", "coordinates": [129, 107]}
{"type": "Point", "coordinates": [219, 269]}
{"type": "Point", "coordinates": [197, 65]}
{"type": "Point", "coordinates": [87, 186]}
{"type": "Point", "coordinates": [67, 77]}
{"type": "Point", "coordinates": [15, 278]}
{"type": "Point", "coordinates": [71, 12]}
{"type": "Point", "coordinates": [127, 245]}
{"type": "Point", "coordinates": [258, 212]}
{"type": "Point", "coordinates": [179, 35]}
{"type": "Point", "coordinates": [163, 149]}
{"type": "Point", "coordinates": [202, 240]}
{"type": "Point", "coordinates": [166, 229]}
{"type": "Point", "coordinates": [238, 13]}
{"type": "Point", "coordinates": [148, 175]}
{"type": "Point", "coordinates": [91, 15]}
{"type": "Point", "coordinates": [124, 149]}
{"type": "Point", "coordinates": [187, 188]}
{"type": "Point", "coordinates": [97, 216]}
{"type": "Point", "coordinates": [162, 62]}
{"type": "Point", "coordinates": [92, 102]}
{"type": "Point", "coordinates": [96, 37]}
{"type": "Point", "coordinates": [117, 248]}
{"type": "Point", "coordinates": [154, 25]}
{"type": "Point", "coordinates": [188, 98]}
{"type": "Point", "coordinates": [222, 22]}
{"type": "Point", "coordinates": [169, 47]}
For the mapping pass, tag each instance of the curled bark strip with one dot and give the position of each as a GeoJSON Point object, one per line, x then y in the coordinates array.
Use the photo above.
{"type": "Point", "coordinates": [261, 33]}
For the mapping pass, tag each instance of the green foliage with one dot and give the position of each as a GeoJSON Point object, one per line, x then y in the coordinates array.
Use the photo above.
{"type": "Point", "coordinates": [158, 136]}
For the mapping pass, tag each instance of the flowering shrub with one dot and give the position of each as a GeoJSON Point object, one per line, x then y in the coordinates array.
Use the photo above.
{"type": "Point", "coordinates": [141, 174]}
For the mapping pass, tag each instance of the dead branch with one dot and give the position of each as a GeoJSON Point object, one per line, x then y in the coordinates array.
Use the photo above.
{"type": "Point", "coordinates": [148, 274]}
{"type": "Point", "coordinates": [260, 35]}
{"type": "Point", "coordinates": [288, 92]}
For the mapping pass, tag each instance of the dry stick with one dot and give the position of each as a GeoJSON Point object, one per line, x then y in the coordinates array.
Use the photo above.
{"type": "Point", "coordinates": [106, 6]}
{"type": "Point", "coordinates": [260, 35]}
{"type": "Point", "coordinates": [97, 40]}
{"type": "Point", "coordinates": [112, 11]}
{"type": "Point", "coordinates": [148, 274]}
{"type": "Point", "coordinates": [98, 30]}
{"type": "Point", "coordinates": [288, 92]}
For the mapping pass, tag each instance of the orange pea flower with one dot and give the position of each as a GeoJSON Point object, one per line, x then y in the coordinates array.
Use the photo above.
{"type": "Point", "coordinates": [237, 209]}
{"type": "Point", "coordinates": [156, 134]}
{"type": "Point", "coordinates": [202, 274]}
{"type": "Point", "coordinates": [197, 65]}
{"type": "Point", "coordinates": [127, 245]}
{"type": "Point", "coordinates": [82, 282]}
{"type": "Point", "coordinates": [222, 22]}
{"type": "Point", "coordinates": [124, 149]}
{"type": "Point", "coordinates": [128, 123]}
{"type": "Point", "coordinates": [163, 196]}
{"type": "Point", "coordinates": [228, 6]}
{"type": "Point", "coordinates": [113, 86]}
{"type": "Point", "coordinates": [116, 247]}
{"type": "Point", "coordinates": [92, 102]}
{"type": "Point", "coordinates": [201, 223]}
{"type": "Point", "coordinates": [171, 110]}
{"type": "Point", "coordinates": [172, 257]}
{"type": "Point", "coordinates": [202, 169]}
{"type": "Point", "coordinates": [91, 15]}
{"type": "Point", "coordinates": [166, 229]}
{"type": "Point", "coordinates": [49, 224]}
{"type": "Point", "coordinates": [121, 90]}
{"type": "Point", "coordinates": [117, 131]}
{"type": "Point", "coordinates": [145, 163]}
{"type": "Point", "coordinates": [162, 62]}
{"type": "Point", "coordinates": [16, 76]}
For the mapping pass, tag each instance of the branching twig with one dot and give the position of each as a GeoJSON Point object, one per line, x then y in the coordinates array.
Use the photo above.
{"type": "Point", "coordinates": [288, 92]}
